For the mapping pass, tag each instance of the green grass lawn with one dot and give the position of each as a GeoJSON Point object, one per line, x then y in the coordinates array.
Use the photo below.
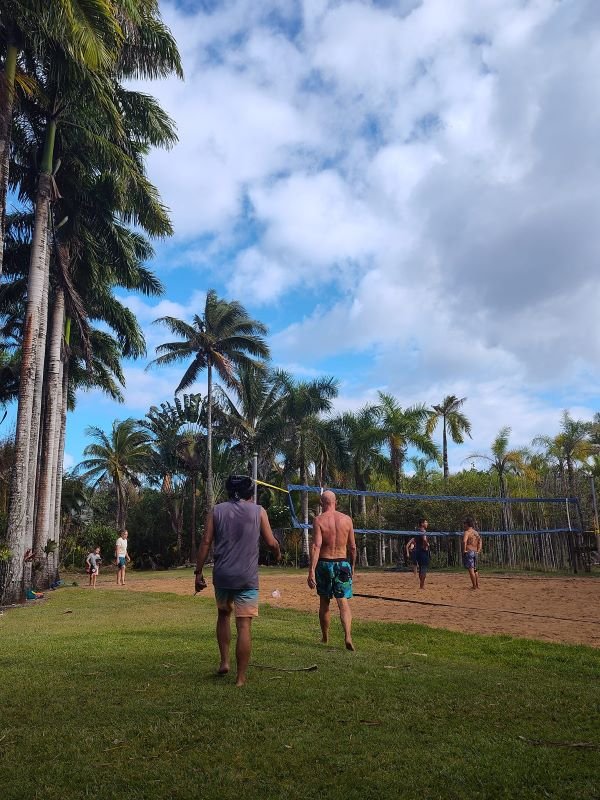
{"type": "Point", "coordinates": [118, 700]}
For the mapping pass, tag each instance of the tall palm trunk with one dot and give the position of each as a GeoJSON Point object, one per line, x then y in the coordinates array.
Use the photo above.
{"type": "Point", "coordinates": [210, 492]}
{"type": "Point", "coordinates": [570, 477]}
{"type": "Point", "coordinates": [193, 514]}
{"type": "Point", "coordinates": [50, 435]}
{"type": "Point", "coordinates": [121, 504]}
{"type": "Point", "coordinates": [396, 460]}
{"type": "Point", "coordinates": [60, 461]}
{"type": "Point", "coordinates": [445, 449]}
{"type": "Point", "coordinates": [37, 280]}
{"type": "Point", "coordinates": [7, 97]}
{"type": "Point", "coordinates": [38, 400]}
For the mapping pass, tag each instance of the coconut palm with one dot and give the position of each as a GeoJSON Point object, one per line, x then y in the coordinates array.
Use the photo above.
{"type": "Point", "coordinates": [503, 462]}
{"type": "Point", "coordinates": [574, 443]}
{"type": "Point", "coordinates": [307, 436]}
{"type": "Point", "coordinates": [453, 422]}
{"type": "Point", "coordinates": [119, 459]}
{"type": "Point", "coordinates": [222, 338]}
{"type": "Point", "coordinates": [404, 428]}
{"type": "Point", "coordinates": [252, 413]}
{"type": "Point", "coordinates": [363, 438]}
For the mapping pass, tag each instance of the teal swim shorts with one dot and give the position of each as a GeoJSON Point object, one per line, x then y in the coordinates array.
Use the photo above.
{"type": "Point", "coordinates": [334, 578]}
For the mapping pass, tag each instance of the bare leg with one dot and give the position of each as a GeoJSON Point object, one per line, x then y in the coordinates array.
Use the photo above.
{"type": "Point", "coordinates": [123, 577]}
{"type": "Point", "coordinates": [224, 640]}
{"type": "Point", "coordinates": [243, 648]}
{"type": "Point", "coordinates": [422, 576]}
{"type": "Point", "coordinates": [473, 576]}
{"type": "Point", "coordinates": [118, 575]}
{"type": "Point", "coordinates": [324, 618]}
{"type": "Point", "coordinates": [346, 618]}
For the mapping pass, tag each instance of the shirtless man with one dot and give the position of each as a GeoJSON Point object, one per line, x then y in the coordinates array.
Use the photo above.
{"type": "Point", "coordinates": [471, 550]}
{"type": "Point", "coordinates": [332, 565]}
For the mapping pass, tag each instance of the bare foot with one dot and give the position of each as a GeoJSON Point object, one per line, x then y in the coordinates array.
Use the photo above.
{"type": "Point", "coordinates": [324, 640]}
{"type": "Point", "coordinates": [350, 646]}
{"type": "Point", "coordinates": [223, 669]}
{"type": "Point", "coordinates": [240, 681]}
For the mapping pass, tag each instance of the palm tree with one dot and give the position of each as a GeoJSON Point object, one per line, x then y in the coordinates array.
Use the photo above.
{"type": "Point", "coordinates": [222, 338]}
{"type": "Point", "coordinates": [363, 439]}
{"type": "Point", "coordinates": [252, 413]}
{"type": "Point", "coordinates": [574, 443]}
{"type": "Point", "coordinates": [453, 421]}
{"type": "Point", "coordinates": [87, 35]}
{"type": "Point", "coordinates": [404, 428]}
{"type": "Point", "coordinates": [503, 462]}
{"type": "Point", "coordinates": [73, 89]}
{"type": "Point", "coordinates": [306, 434]}
{"type": "Point", "coordinates": [119, 459]}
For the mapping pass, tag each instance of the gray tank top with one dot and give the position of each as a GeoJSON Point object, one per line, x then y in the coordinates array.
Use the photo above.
{"type": "Point", "coordinates": [236, 539]}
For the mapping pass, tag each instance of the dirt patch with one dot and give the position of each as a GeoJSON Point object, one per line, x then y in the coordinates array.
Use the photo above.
{"type": "Point", "coordinates": [551, 609]}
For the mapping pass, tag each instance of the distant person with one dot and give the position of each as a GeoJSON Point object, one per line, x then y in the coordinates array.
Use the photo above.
{"type": "Point", "coordinates": [471, 550]}
{"type": "Point", "coordinates": [122, 557]}
{"type": "Point", "coordinates": [411, 555]}
{"type": "Point", "coordinates": [422, 551]}
{"type": "Point", "coordinates": [93, 561]}
{"type": "Point", "coordinates": [235, 528]}
{"type": "Point", "coordinates": [332, 565]}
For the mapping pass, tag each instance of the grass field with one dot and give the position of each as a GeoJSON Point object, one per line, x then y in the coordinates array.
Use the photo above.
{"type": "Point", "coordinates": [117, 699]}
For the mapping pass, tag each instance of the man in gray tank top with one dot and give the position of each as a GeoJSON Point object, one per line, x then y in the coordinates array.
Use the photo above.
{"type": "Point", "coordinates": [234, 529]}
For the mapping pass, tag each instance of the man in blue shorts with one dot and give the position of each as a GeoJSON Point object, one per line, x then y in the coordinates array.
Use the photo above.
{"type": "Point", "coordinates": [332, 565]}
{"type": "Point", "coordinates": [234, 528]}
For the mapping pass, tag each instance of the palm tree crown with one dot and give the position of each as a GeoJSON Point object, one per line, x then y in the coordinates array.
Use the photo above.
{"type": "Point", "coordinates": [404, 428]}
{"type": "Point", "coordinates": [223, 337]}
{"type": "Point", "coordinates": [453, 422]}
{"type": "Point", "coordinates": [119, 458]}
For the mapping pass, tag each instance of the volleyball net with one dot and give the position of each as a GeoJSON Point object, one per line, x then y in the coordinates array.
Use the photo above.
{"type": "Point", "coordinates": [537, 533]}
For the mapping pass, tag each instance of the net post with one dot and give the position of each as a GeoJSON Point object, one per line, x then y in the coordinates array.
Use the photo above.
{"type": "Point", "coordinates": [255, 475]}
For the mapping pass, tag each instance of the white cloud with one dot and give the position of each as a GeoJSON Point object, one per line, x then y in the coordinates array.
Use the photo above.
{"type": "Point", "coordinates": [432, 167]}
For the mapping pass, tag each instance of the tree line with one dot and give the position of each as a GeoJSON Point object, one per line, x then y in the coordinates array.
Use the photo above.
{"type": "Point", "coordinates": [183, 449]}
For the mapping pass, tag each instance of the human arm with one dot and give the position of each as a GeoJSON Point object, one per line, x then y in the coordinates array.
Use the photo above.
{"type": "Point", "coordinates": [267, 534]}
{"type": "Point", "coordinates": [352, 547]}
{"type": "Point", "coordinates": [479, 544]}
{"type": "Point", "coordinates": [409, 546]}
{"type": "Point", "coordinates": [203, 550]}
{"type": "Point", "coordinates": [465, 540]}
{"type": "Point", "coordinates": [315, 552]}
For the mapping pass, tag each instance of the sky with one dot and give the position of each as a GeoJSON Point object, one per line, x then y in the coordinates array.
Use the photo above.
{"type": "Point", "coordinates": [405, 192]}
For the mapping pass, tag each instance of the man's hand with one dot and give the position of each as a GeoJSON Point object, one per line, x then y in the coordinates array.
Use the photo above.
{"type": "Point", "coordinates": [199, 583]}
{"type": "Point", "coordinates": [311, 580]}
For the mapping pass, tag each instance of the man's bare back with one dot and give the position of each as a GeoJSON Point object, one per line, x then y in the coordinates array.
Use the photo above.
{"type": "Point", "coordinates": [472, 540]}
{"type": "Point", "coordinates": [335, 529]}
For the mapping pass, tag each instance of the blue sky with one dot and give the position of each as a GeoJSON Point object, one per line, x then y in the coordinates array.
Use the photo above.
{"type": "Point", "coordinates": [406, 193]}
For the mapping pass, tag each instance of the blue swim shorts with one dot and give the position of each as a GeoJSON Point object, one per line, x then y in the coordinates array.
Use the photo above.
{"type": "Point", "coordinates": [121, 561]}
{"type": "Point", "coordinates": [470, 559]}
{"type": "Point", "coordinates": [334, 578]}
{"type": "Point", "coordinates": [243, 601]}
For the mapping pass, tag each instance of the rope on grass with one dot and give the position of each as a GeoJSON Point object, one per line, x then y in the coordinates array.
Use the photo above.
{"type": "Point", "coordinates": [472, 608]}
{"type": "Point", "coordinates": [311, 668]}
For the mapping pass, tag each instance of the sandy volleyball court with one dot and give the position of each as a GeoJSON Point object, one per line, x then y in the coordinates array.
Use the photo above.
{"type": "Point", "coordinates": [551, 609]}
